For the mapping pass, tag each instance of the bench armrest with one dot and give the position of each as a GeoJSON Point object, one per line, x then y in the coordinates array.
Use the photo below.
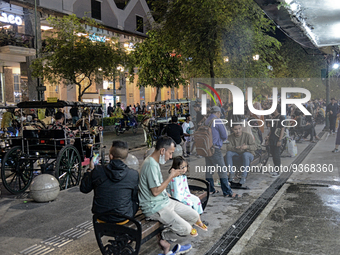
{"type": "Point", "coordinates": [207, 189]}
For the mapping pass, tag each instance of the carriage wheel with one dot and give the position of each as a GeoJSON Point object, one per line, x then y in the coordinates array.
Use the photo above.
{"type": "Point", "coordinates": [16, 172]}
{"type": "Point", "coordinates": [68, 167]}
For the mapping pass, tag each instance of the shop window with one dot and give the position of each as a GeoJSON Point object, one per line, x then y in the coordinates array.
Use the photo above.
{"type": "Point", "coordinates": [139, 24]}
{"type": "Point", "coordinates": [96, 9]}
{"type": "Point", "coordinates": [53, 91]}
{"type": "Point", "coordinates": [17, 90]}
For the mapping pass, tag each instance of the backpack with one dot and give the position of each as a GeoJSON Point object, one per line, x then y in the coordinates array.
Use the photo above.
{"type": "Point", "coordinates": [204, 140]}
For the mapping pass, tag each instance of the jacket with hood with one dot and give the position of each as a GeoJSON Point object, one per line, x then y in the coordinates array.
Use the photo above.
{"type": "Point", "coordinates": [115, 189]}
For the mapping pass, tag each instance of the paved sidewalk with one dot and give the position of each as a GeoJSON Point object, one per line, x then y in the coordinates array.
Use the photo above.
{"type": "Point", "coordinates": [304, 217]}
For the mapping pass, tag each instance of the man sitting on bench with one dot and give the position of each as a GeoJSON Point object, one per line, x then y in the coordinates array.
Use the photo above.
{"type": "Point", "coordinates": [241, 148]}
{"type": "Point", "coordinates": [155, 202]}
{"type": "Point", "coordinates": [115, 185]}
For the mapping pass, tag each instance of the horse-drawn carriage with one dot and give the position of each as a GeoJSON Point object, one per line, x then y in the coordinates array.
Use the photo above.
{"type": "Point", "coordinates": [42, 150]}
{"type": "Point", "coordinates": [154, 125]}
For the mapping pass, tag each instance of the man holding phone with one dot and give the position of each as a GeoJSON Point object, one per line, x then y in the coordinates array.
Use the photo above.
{"type": "Point", "coordinates": [155, 202]}
{"type": "Point", "coordinates": [115, 185]}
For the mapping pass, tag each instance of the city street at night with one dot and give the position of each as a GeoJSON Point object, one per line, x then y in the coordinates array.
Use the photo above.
{"type": "Point", "coordinates": [289, 209]}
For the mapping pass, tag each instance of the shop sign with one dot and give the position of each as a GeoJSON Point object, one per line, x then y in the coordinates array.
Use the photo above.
{"type": "Point", "coordinates": [94, 37]}
{"type": "Point", "coordinates": [52, 99]}
{"type": "Point", "coordinates": [10, 18]}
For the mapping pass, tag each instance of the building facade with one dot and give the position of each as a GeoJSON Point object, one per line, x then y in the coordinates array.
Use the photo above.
{"type": "Point", "coordinates": [127, 20]}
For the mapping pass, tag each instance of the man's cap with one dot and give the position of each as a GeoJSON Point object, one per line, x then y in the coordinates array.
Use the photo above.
{"type": "Point", "coordinates": [215, 109]}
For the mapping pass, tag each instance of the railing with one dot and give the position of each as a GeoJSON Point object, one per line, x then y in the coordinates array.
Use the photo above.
{"type": "Point", "coordinates": [16, 39]}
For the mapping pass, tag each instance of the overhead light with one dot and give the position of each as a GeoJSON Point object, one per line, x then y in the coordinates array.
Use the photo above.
{"type": "Point", "coordinates": [294, 7]}
{"type": "Point", "coordinates": [335, 30]}
{"type": "Point", "coordinates": [226, 59]}
{"type": "Point", "coordinates": [120, 68]}
{"type": "Point", "coordinates": [46, 28]}
{"type": "Point", "coordinates": [256, 57]}
{"type": "Point", "coordinates": [81, 34]}
{"type": "Point", "coordinates": [335, 66]}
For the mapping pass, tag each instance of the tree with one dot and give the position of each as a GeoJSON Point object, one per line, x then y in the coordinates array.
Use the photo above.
{"type": "Point", "coordinates": [71, 56]}
{"type": "Point", "coordinates": [297, 62]}
{"type": "Point", "coordinates": [208, 32]}
{"type": "Point", "coordinates": [158, 66]}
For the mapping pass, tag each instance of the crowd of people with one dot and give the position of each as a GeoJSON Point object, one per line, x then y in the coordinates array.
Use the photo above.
{"type": "Point", "coordinates": [123, 190]}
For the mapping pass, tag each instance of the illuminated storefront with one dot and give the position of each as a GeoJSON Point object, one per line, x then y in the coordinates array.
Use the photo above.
{"type": "Point", "coordinates": [15, 46]}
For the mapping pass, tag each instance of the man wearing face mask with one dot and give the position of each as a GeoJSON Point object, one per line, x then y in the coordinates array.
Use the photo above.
{"type": "Point", "coordinates": [115, 185]}
{"type": "Point", "coordinates": [155, 202]}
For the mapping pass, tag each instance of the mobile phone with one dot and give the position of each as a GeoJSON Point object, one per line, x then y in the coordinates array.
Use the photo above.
{"type": "Point", "coordinates": [95, 158]}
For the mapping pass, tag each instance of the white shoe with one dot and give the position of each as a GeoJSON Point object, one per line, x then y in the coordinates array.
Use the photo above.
{"type": "Point", "coordinates": [275, 174]}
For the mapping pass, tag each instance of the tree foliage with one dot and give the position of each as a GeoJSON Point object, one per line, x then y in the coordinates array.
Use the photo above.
{"type": "Point", "coordinates": [158, 66]}
{"type": "Point", "coordinates": [70, 56]}
{"type": "Point", "coordinates": [208, 32]}
{"type": "Point", "coordinates": [297, 63]}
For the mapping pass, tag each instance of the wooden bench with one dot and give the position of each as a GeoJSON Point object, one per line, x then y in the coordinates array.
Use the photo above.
{"type": "Point", "coordinates": [128, 238]}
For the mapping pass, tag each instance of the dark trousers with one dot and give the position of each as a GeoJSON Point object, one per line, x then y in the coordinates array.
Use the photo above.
{"type": "Point", "coordinates": [332, 121]}
{"type": "Point", "coordinates": [217, 160]}
{"type": "Point", "coordinates": [276, 153]}
{"type": "Point", "coordinates": [309, 130]}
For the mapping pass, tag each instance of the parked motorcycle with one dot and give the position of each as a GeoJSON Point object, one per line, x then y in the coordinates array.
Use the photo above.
{"type": "Point", "coordinates": [125, 124]}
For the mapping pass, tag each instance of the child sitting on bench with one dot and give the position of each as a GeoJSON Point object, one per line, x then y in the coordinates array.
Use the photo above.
{"type": "Point", "coordinates": [178, 189]}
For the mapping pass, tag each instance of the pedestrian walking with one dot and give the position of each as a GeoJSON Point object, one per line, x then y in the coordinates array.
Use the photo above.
{"type": "Point", "coordinates": [274, 140]}
{"type": "Point", "coordinates": [332, 111]}
{"type": "Point", "coordinates": [337, 141]}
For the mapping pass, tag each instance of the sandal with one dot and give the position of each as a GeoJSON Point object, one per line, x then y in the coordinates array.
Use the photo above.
{"type": "Point", "coordinates": [214, 192]}
{"type": "Point", "coordinates": [235, 196]}
{"type": "Point", "coordinates": [201, 225]}
{"type": "Point", "coordinates": [193, 232]}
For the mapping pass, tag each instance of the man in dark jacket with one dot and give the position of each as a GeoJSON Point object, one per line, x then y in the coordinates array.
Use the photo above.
{"type": "Point", "coordinates": [115, 185]}
{"type": "Point", "coordinates": [174, 130]}
{"type": "Point", "coordinates": [332, 111]}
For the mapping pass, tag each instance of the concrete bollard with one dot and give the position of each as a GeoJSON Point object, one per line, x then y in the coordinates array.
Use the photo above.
{"type": "Point", "coordinates": [148, 152]}
{"type": "Point", "coordinates": [44, 188]}
{"type": "Point", "coordinates": [132, 162]}
{"type": "Point", "coordinates": [178, 151]}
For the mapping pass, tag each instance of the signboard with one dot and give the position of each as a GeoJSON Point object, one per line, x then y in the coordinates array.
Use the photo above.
{"type": "Point", "coordinates": [52, 99]}
{"type": "Point", "coordinates": [41, 88]}
{"type": "Point", "coordinates": [96, 38]}
{"type": "Point", "coordinates": [10, 18]}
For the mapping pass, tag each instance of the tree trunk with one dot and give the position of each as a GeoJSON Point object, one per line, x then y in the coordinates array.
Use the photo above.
{"type": "Point", "coordinates": [157, 92]}
{"type": "Point", "coordinates": [79, 92]}
{"type": "Point", "coordinates": [211, 68]}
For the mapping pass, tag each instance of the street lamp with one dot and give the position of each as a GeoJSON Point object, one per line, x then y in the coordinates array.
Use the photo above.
{"type": "Point", "coordinates": [120, 69]}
